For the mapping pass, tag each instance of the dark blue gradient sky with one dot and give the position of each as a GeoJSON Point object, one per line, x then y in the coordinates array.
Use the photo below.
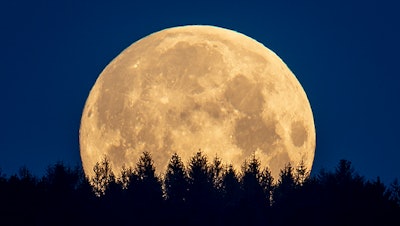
{"type": "Point", "coordinates": [344, 53]}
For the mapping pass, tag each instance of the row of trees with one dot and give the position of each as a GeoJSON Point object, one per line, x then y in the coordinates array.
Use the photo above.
{"type": "Point", "coordinates": [202, 193]}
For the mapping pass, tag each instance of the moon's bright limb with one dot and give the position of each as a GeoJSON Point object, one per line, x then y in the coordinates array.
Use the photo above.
{"type": "Point", "coordinates": [197, 87]}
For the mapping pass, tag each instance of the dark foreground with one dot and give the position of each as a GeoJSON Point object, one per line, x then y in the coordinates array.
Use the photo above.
{"type": "Point", "coordinates": [203, 193]}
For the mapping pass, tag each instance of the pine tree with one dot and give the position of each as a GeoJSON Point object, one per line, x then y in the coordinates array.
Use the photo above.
{"type": "Point", "coordinates": [267, 184]}
{"type": "Point", "coordinates": [216, 173]}
{"type": "Point", "coordinates": [231, 197]}
{"type": "Point", "coordinates": [147, 184]}
{"type": "Point", "coordinates": [176, 184]}
{"type": "Point", "coordinates": [201, 194]}
{"type": "Point", "coordinates": [301, 174]}
{"type": "Point", "coordinates": [176, 190]}
{"type": "Point", "coordinates": [285, 187]}
{"type": "Point", "coordinates": [61, 179]}
{"type": "Point", "coordinates": [254, 202]}
{"type": "Point", "coordinates": [344, 172]}
{"type": "Point", "coordinates": [60, 184]}
{"type": "Point", "coordinates": [231, 186]}
{"type": "Point", "coordinates": [103, 176]}
{"type": "Point", "coordinates": [395, 192]}
{"type": "Point", "coordinates": [126, 173]}
{"type": "Point", "coordinates": [200, 179]}
{"type": "Point", "coordinates": [23, 198]}
{"type": "Point", "coordinates": [145, 191]}
{"type": "Point", "coordinates": [253, 191]}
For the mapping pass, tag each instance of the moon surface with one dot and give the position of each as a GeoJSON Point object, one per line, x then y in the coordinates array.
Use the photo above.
{"type": "Point", "coordinates": [197, 87]}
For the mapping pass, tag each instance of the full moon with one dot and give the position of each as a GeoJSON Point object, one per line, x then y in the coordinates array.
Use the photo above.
{"type": "Point", "coordinates": [197, 87]}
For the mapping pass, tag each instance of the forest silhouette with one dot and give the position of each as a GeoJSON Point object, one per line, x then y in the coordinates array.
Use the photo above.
{"type": "Point", "coordinates": [203, 192]}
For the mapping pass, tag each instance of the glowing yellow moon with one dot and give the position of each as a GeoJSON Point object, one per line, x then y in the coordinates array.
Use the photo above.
{"type": "Point", "coordinates": [197, 87]}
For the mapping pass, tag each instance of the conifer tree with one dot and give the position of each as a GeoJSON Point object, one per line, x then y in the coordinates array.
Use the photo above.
{"type": "Point", "coordinates": [301, 174]}
{"type": "Point", "coordinates": [176, 184]}
{"type": "Point", "coordinates": [254, 202]}
{"type": "Point", "coordinates": [395, 192]}
{"type": "Point", "coordinates": [285, 187]}
{"type": "Point", "coordinates": [344, 172]}
{"type": "Point", "coordinates": [216, 173]}
{"type": "Point", "coordinates": [201, 193]}
{"type": "Point", "coordinates": [267, 184]}
{"type": "Point", "coordinates": [103, 176]}
{"type": "Point", "coordinates": [251, 184]}
{"type": "Point", "coordinates": [61, 179]}
{"type": "Point", "coordinates": [230, 187]}
{"type": "Point", "coordinates": [144, 192]}
{"type": "Point", "coordinates": [199, 177]}
{"type": "Point", "coordinates": [148, 185]}
{"type": "Point", "coordinates": [126, 173]}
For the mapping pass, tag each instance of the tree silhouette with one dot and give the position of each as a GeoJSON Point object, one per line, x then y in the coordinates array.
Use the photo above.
{"type": "Point", "coordinates": [342, 195]}
{"type": "Point", "coordinates": [253, 192]}
{"type": "Point", "coordinates": [61, 179]}
{"type": "Point", "coordinates": [60, 184]}
{"type": "Point", "coordinates": [287, 182]}
{"type": "Point", "coordinates": [286, 186]}
{"type": "Point", "coordinates": [200, 179]}
{"type": "Point", "coordinates": [145, 191]}
{"type": "Point", "coordinates": [231, 197]}
{"type": "Point", "coordinates": [216, 170]}
{"type": "Point", "coordinates": [176, 188]}
{"type": "Point", "coordinates": [301, 174]}
{"type": "Point", "coordinates": [395, 192]}
{"type": "Point", "coordinates": [21, 199]}
{"type": "Point", "coordinates": [84, 189]}
{"type": "Point", "coordinates": [147, 180]}
{"type": "Point", "coordinates": [254, 202]}
{"type": "Point", "coordinates": [201, 194]}
{"type": "Point", "coordinates": [344, 173]}
{"type": "Point", "coordinates": [267, 184]}
{"type": "Point", "coordinates": [176, 184]}
{"type": "Point", "coordinates": [103, 176]}
{"type": "Point", "coordinates": [231, 187]}
{"type": "Point", "coordinates": [126, 173]}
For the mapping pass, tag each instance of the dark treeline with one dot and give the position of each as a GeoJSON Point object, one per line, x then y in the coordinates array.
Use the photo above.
{"type": "Point", "coordinates": [202, 193]}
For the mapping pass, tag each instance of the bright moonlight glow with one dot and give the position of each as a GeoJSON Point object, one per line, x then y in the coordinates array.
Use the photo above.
{"type": "Point", "coordinates": [197, 87]}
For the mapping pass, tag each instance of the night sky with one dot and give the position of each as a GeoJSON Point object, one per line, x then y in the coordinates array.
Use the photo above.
{"type": "Point", "coordinates": [344, 53]}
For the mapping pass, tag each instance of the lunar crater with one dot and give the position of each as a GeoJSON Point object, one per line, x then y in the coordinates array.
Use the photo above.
{"type": "Point", "coordinates": [298, 133]}
{"type": "Point", "coordinates": [252, 134]}
{"type": "Point", "coordinates": [244, 95]}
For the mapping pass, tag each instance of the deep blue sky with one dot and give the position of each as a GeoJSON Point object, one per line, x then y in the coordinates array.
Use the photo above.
{"type": "Point", "coordinates": [344, 53]}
